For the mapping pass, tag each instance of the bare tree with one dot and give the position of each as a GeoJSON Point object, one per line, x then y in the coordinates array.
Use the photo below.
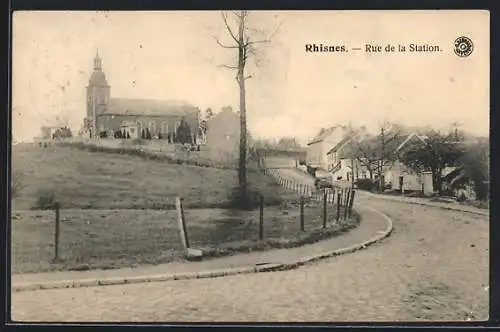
{"type": "Point", "coordinates": [245, 47]}
{"type": "Point", "coordinates": [377, 153]}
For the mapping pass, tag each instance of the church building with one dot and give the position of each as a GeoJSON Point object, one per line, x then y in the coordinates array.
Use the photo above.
{"type": "Point", "coordinates": [160, 118]}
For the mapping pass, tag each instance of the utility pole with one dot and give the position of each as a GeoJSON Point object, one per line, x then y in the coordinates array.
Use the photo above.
{"type": "Point", "coordinates": [352, 168]}
{"type": "Point", "coordinates": [381, 159]}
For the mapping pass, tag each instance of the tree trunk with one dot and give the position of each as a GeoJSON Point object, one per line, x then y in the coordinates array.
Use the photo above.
{"type": "Point", "coordinates": [380, 177]}
{"type": "Point", "coordinates": [242, 178]}
{"type": "Point", "coordinates": [437, 181]}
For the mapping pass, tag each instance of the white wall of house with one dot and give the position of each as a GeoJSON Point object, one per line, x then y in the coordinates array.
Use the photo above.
{"type": "Point", "coordinates": [314, 155]}
{"type": "Point", "coordinates": [317, 152]}
{"type": "Point", "coordinates": [411, 180]}
{"type": "Point", "coordinates": [348, 169]}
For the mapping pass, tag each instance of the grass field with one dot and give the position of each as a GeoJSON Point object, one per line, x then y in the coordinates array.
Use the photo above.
{"type": "Point", "coordinates": [96, 180]}
{"type": "Point", "coordinates": [104, 239]}
{"type": "Point", "coordinates": [117, 211]}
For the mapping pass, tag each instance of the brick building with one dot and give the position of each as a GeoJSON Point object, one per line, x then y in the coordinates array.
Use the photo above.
{"type": "Point", "coordinates": [161, 118]}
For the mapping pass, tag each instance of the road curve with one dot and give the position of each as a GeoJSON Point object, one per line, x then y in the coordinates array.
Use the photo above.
{"type": "Point", "coordinates": [433, 267]}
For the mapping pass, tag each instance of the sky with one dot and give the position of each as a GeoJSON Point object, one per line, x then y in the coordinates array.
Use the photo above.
{"type": "Point", "coordinates": [175, 55]}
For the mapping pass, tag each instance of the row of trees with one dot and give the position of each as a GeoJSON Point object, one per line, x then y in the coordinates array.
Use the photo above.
{"type": "Point", "coordinates": [283, 143]}
{"type": "Point", "coordinates": [182, 135]}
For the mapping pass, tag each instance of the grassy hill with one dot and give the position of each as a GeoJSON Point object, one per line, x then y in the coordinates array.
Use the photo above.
{"type": "Point", "coordinates": [96, 180]}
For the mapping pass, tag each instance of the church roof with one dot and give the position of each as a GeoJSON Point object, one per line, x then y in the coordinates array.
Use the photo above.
{"type": "Point", "coordinates": [149, 107]}
{"type": "Point", "coordinates": [98, 79]}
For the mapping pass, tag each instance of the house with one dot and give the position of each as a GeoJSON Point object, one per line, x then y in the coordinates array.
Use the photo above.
{"type": "Point", "coordinates": [223, 135]}
{"type": "Point", "coordinates": [358, 157]}
{"type": "Point", "coordinates": [398, 176]}
{"type": "Point", "coordinates": [322, 143]}
{"type": "Point", "coordinates": [342, 163]}
{"type": "Point", "coordinates": [458, 183]}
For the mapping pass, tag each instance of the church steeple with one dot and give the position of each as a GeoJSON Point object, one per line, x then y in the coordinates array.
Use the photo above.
{"type": "Point", "coordinates": [98, 90]}
{"type": "Point", "coordinates": [97, 61]}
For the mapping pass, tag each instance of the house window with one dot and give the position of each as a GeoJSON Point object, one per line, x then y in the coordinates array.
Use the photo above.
{"type": "Point", "coordinates": [177, 124]}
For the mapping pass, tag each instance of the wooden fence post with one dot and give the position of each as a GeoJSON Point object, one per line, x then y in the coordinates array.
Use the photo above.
{"type": "Point", "coordinates": [346, 207]}
{"type": "Point", "coordinates": [351, 202]}
{"type": "Point", "coordinates": [56, 233]}
{"type": "Point", "coordinates": [338, 205]}
{"type": "Point", "coordinates": [182, 223]}
{"type": "Point", "coordinates": [324, 209]}
{"type": "Point", "coordinates": [302, 226]}
{"type": "Point", "coordinates": [261, 218]}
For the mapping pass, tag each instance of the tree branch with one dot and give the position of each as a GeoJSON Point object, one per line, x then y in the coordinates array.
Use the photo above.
{"type": "Point", "coordinates": [228, 67]}
{"type": "Point", "coordinates": [264, 41]}
{"type": "Point", "coordinates": [222, 45]}
{"type": "Point", "coordinates": [224, 17]}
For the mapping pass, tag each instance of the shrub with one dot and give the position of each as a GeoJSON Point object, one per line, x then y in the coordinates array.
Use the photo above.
{"type": "Point", "coordinates": [248, 200]}
{"type": "Point", "coordinates": [365, 184]}
{"type": "Point", "coordinates": [46, 199]}
{"type": "Point", "coordinates": [139, 141]}
{"type": "Point", "coordinates": [17, 184]}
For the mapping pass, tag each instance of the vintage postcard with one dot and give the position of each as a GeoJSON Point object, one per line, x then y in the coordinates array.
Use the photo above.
{"type": "Point", "coordinates": [250, 166]}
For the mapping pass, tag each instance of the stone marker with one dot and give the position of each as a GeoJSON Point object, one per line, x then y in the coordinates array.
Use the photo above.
{"type": "Point", "coordinates": [194, 254]}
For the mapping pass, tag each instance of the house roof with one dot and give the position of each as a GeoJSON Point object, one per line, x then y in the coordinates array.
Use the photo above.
{"type": "Point", "coordinates": [346, 140]}
{"type": "Point", "coordinates": [352, 148]}
{"type": "Point", "coordinates": [323, 134]}
{"type": "Point", "coordinates": [455, 175]}
{"type": "Point", "coordinates": [149, 107]}
{"type": "Point", "coordinates": [225, 113]}
{"type": "Point", "coordinates": [405, 139]}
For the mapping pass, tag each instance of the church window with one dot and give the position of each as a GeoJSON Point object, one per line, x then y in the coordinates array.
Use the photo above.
{"type": "Point", "coordinates": [152, 127]}
{"type": "Point", "coordinates": [164, 127]}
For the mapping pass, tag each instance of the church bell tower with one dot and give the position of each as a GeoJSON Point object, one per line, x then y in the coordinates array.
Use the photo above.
{"type": "Point", "coordinates": [97, 93]}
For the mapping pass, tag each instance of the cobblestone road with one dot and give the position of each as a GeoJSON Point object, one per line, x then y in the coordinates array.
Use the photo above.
{"type": "Point", "coordinates": [433, 267]}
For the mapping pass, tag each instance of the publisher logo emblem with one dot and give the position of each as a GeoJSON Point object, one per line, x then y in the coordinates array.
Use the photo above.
{"type": "Point", "coordinates": [463, 47]}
